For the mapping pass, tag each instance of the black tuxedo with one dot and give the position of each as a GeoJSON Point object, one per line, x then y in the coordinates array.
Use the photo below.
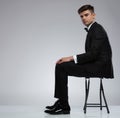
{"type": "Point", "coordinates": [95, 62]}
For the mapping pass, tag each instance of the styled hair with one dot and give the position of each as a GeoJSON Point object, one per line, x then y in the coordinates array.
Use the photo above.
{"type": "Point", "coordinates": [86, 7]}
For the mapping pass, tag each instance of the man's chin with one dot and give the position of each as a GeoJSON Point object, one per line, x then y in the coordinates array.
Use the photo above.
{"type": "Point", "coordinates": [87, 24]}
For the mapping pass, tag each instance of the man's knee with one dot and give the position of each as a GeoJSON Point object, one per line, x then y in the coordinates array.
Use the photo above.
{"type": "Point", "coordinates": [61, 66]}
{"type": "Point", "coordinates": [58, 66]}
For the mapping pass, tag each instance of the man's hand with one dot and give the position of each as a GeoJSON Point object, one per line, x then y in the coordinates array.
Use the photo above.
{"type": "Point", "coordinates": [64, 59]}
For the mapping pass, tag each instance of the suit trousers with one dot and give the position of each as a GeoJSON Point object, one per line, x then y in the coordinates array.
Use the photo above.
{"type": "Point", "coordinates": [62, 71]}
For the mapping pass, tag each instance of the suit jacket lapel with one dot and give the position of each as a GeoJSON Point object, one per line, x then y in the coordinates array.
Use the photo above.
{"type": "Point", "coordinates": [88, 40]}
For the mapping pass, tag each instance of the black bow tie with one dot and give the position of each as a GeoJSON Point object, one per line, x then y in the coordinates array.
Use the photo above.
{"type": "Point", "coordinates": [86, 29]}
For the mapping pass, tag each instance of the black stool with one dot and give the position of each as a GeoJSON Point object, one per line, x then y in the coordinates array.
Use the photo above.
{"type": "Point", "coordinates": [101, 95]}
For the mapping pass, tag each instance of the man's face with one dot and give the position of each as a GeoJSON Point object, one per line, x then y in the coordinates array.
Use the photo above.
{"type": "Point", "coordinates": [87, 17]}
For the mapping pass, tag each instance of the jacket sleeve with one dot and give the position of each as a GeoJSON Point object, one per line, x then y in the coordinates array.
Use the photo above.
{"type": "Point", "coordinates": [97, 38]}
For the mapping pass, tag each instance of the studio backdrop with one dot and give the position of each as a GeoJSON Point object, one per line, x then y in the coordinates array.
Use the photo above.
{"type": "Point", "coordinates": [34, 34]}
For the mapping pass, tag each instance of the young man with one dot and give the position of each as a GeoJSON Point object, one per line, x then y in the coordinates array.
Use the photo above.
{"type": "Point", "coordinates": [95, 62]}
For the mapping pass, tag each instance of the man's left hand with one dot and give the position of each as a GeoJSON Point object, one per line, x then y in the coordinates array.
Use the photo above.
{"type": "Point", "coordinates": [64, 59]}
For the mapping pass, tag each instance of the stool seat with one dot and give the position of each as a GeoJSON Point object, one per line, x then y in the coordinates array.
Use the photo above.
{"type": "Point", "coordinates": [101, 96]}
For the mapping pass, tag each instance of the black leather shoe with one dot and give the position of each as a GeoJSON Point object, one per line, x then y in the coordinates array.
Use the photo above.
{"type": "Point", "coordinates": [59, 110]}
{"type": "Point", "coordinates": [53, 106]}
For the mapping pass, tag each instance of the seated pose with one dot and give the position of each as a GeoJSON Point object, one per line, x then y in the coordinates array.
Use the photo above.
{"type": "Point", "coordinates": [95, 62]}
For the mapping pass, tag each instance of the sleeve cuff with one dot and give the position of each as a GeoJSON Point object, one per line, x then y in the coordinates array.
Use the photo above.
{"type": "Point", "coordinates": [75, 59]}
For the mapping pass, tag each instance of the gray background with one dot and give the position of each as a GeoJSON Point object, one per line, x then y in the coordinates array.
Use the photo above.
{"type": "Point", "coordinates": [34, 34]}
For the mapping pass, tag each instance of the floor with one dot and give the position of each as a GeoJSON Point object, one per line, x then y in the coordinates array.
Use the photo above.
{"type": "Point", "coordinates": [37, 112]}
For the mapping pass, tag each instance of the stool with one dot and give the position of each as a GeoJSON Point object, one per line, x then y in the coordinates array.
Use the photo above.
{"type": "Point", "coordinates": [101, 95]}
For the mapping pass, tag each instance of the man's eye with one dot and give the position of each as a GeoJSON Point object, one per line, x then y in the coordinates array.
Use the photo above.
{"type": "Point", "coordinates": [81, 16]}
{"type": "Point", "coordinates": [86, 14]}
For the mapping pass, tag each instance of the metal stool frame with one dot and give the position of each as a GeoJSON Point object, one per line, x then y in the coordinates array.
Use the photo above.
{"type": "Point", "coordinates": [101, 95]}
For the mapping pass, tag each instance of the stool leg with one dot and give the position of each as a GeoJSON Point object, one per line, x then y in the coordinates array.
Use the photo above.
{"type": "Point", "coordinates": [100, 94]}
{"type": "Point", "coordinates": [87, 85]}
{"type": "Point", "coordinates": [102, 89]}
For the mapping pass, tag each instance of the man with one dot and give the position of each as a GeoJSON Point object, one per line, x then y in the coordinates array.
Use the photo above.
{"type": "Point", "coordinates": [95, 62]}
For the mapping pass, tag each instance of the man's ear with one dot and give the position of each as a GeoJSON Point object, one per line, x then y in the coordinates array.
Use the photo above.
{"type": "Point", "coordinates": [94, 15]}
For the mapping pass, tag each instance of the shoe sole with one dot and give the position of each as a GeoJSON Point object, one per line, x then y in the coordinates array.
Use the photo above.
{"type": "Point", "coordinates": [59, 113]}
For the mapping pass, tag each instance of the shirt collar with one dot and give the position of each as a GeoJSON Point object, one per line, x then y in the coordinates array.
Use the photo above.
{"type": "Point", "coordinates": [90, 25]}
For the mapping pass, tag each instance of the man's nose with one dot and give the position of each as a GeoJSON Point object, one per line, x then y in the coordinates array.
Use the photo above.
{"type": "Point", "coordinates": [83, 18]}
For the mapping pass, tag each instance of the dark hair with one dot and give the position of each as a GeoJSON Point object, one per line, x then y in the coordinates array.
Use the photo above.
{"type": "Point", "coordinates": [86, 7]}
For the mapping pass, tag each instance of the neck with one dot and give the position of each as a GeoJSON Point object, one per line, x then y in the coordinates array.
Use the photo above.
{"type": "Point", "coordinates": [90, 23]}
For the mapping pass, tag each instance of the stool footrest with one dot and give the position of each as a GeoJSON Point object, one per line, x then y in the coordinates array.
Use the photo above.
{"type": "Point", "coordinates": [94, 105]}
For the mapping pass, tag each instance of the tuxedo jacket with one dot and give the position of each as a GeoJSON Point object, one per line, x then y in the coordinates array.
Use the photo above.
{"type": "Point", "coordinates": [97, 59]}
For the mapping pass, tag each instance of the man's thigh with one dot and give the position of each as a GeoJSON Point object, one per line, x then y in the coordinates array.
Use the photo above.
{"type": "Point", "coordinates": [73, 69]}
